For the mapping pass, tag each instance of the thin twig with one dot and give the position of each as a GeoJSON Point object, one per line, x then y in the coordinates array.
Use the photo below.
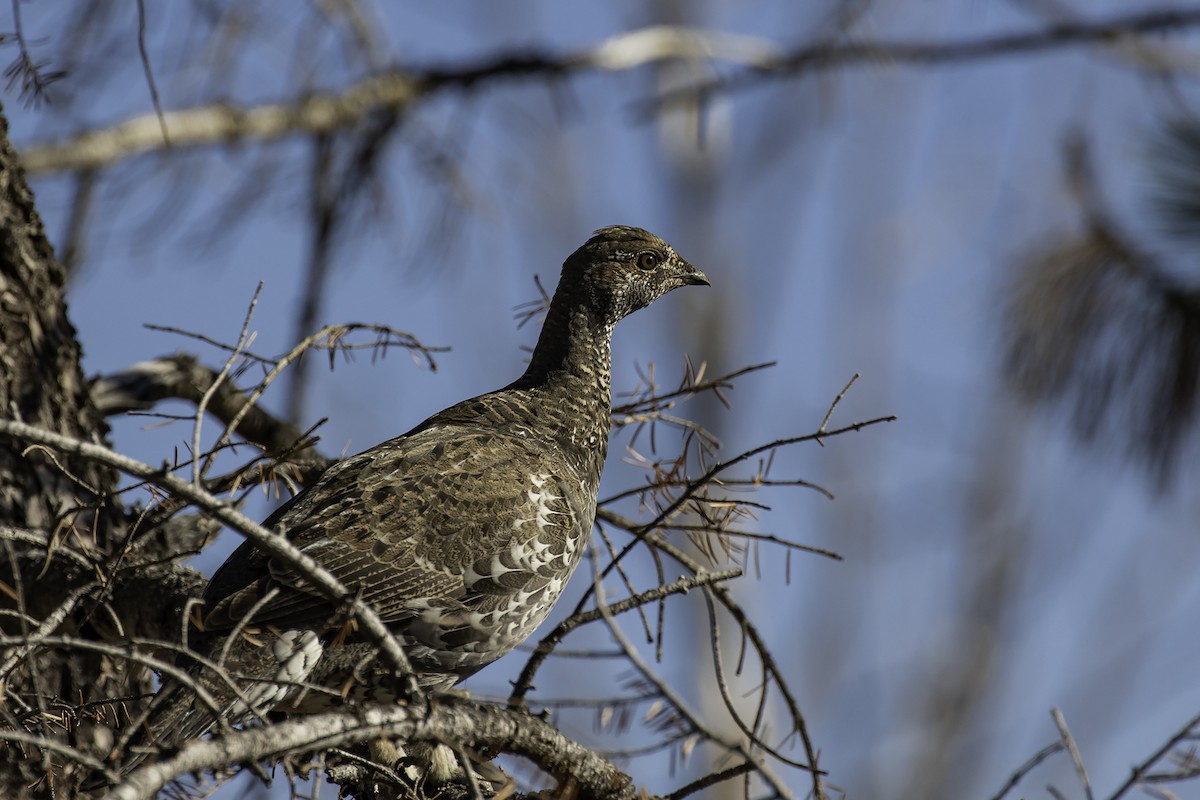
{"type": "Point", "coordinates": [721, 382]}
{"type": "Point", "coordinates": [243, 341]}
{"type": "Point", "coordinates": [65, 750]}
{"type": "Point", "coordinates": [751, 632]}
{"type": "Point", "coordinates": [749, 731]}
{"type": "Point", "coordinates": [711, 780]}
{"type": "Point", "coordinates": [42, 541]}
{"type": "Point", "coordinates": [1027, 767]}
{"type": "Point", "coordinates": [1068, 741]}
{"type": "Point", "coordinates": [208, 340]}
{"type": "Point", "coordinates": [547, 644]}
{"type": "Point", "coordinates": [149, 73]}
{"type": "Point", "coordinates": [676, 701]}
{"type": "Point", "coordinates": [166, 668]}
{"type": "Point", "coordinates": [707, 478]}
{"type": "Point", "coordinates": [1141, 770]}
{"type": "Point", "coordinates": [834, 405]}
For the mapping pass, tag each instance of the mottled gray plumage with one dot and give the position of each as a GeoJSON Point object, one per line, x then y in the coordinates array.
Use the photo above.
{"type": "Point", "coordinates": [461, 533]}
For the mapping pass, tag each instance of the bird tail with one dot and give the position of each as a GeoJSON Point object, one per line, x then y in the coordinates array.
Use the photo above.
{"type": "Point", "coordinates": [174, 717]}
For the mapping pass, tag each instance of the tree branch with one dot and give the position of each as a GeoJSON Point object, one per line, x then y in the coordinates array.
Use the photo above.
{"type": "Point", "coordinates": [472, 724]}
{"type": "Point", "coordinates": [1139, 773]}
{"type": "Point", "coordinates": [826, 56]}
{"type": "Point", "coordinates": [1027, 767]}
{"type": "Point", "coordinates": [183, 377]}
{"type": "Point", "coordinates": [551, 640]}
{"type": "Point", "coordinates": [396, 90]}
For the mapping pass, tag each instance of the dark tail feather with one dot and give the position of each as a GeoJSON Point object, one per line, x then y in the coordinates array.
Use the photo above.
{"type": "Point", "coordinates": [154, 732]}
{"type": "Point", "coordinates": [174, 717]}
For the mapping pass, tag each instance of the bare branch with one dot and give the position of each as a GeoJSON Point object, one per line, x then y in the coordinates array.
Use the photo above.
{"type": "Point", "coordinates": [1190, 729]}
{"type": "Point", "coordinates": [654, 401]}
{"type": "Point", "coordinates": [393, 91]}
{"type": "Point", "coordinates": [827, 56]}
{"type": "Point", "coordinates": [711, 780]}
{"type": "Point", "coordinates": [148, 71]}
{"type": "Point", "coordinates": [65, 750]}
{"type": "Point", "coordinates": [132, 654]}
{"type": "Point", "coordinates": [711, 475]}
{"type": "Point", "coordinates": [43, 541]}
{"type": "Point", "coordinates": [397, 89]}
{"type": "Point", "coordinates": [551, 640]}
{"type": "Point", "coordinates": [720, 467]}
{"type": "Point", "coordinates": [1028, 766]}
{"type": "Point", "coordinates": [475, 725]}
{"type": "Point", "coordinates": [183, 377]}
{"type": "Point", "coordinates": [243, 341]}
{"type": "Point", "coordinates": [677, 702]}
{"type": "Point", "coordinates": [1068, 741]}
{"type": "Point", "coordinates": [833, 406]}
{"type": "Point", "coordinates": [751, 633]}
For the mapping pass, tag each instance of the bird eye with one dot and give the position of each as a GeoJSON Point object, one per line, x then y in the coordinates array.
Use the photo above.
{"type": "Point", "coordinates": [647, 260]}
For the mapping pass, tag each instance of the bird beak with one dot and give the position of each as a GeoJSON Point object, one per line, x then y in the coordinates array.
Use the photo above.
{"type": "Point", "coordinates": [693, 276]}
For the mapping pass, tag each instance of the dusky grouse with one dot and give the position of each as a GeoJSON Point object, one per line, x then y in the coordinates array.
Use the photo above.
{"type": "Point", "coordinates": [461, 533]}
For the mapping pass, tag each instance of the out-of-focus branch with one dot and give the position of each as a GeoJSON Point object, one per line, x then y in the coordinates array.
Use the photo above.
{"type": "Point", "coordinates": [1102, 329]}
{"type": "Point", "coordinates": [222, 123]}
{"type": "Point", "coordinates": [394, 90]}
{"type": "Point", "coordinates": [479, 726]}
{"type": "Point", "coordinates": [1189, 731]}
{"type": "Point", "coordinates": [25, 69]}
{"type": "Point", "coordinates": [1053, 35]}
{"type": "Point", "coordinates": [397, 89]}
{"type": "Point", "coordinates": [1027, 767]}
{"type": "Point", "coordinates": [826, 56]}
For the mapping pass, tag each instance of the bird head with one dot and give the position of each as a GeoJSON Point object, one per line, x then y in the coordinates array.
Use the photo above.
{"type": "Point", "coordinates": [622, 268]}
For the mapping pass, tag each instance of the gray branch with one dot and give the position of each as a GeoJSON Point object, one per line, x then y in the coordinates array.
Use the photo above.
{"type": "Point", "coordinates": [396, 90]}
{"type": "Point", "coordinates": [182, 377]}
{"type": "Point", "coordinates": [471, 724]}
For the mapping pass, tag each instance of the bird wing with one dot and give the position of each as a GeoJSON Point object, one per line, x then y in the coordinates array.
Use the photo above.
{"type": "Point", "coordinates": [445, 517]}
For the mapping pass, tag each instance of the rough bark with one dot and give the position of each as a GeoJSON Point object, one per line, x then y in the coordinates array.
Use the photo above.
{"type": "Point", "coordinates": [49, 504]}
{"type": "Point", "coordinates": [41, 381]}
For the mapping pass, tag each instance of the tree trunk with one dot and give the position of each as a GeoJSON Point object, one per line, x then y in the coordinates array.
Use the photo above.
{"type": "Point", "coordinates": [65, 503]}
{"type": "Point", "coordinates": [41, 381]}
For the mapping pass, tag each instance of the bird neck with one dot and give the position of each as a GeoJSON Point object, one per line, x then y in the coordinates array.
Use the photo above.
{"type": "Point", "coordinates": [569, 373]}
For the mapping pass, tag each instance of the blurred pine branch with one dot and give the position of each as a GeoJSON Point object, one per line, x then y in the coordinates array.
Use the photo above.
{"type": "Point", "coordinates": [1099, 329]}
